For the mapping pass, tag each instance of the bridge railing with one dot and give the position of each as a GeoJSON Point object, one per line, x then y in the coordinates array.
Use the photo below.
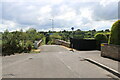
{"type": "Point", "coordinates": [38, 43]}
{"type": "Point", "coordinates": [61, 42]}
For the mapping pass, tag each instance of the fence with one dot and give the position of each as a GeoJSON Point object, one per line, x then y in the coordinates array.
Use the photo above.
{"type": "Point", "coordinates": [83, 44]}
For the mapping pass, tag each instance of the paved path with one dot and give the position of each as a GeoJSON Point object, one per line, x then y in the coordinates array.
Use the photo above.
{"type": "Point", "coordinates": [53, 62]}
{"type": "Point", "coordinates": [0, 67]}
{"type": "Point", "coordinates": [96, 55]}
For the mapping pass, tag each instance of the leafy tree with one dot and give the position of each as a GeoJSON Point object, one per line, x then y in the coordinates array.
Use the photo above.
{"type": "Point", "coordinates": [107, 30]}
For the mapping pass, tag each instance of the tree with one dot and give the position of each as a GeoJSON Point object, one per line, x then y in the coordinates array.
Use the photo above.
{"type": "Point", "coordinates": [94, 30]}
{"type": "Point", "coordinates": [78, 30]}
{"type": "Point", "coordinates": [107, 30]}
{"type": "Point", "coordinates": [115, 33]}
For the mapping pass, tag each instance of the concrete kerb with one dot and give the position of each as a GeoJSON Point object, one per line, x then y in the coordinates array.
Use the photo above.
{"type": "Point", "coordinates": [104, 67]}
{"type": "Point", "coordinates": [116, 73]}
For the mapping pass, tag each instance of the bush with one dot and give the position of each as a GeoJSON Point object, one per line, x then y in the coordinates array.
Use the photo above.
{"type": "Point", "coordinates": [19, 41]}
{"type": "Point", "coordinates": [9, 44]}
{"type": "Point", "coordinates": [115, 33]}
{"type": "Point", "coordinates": [28, 46]}
{"type": "Point", "coordinates": [52, 37]}
{"type": "Point", "coordinates": [55, 36]}
{"type": "Point", "coordinates": [100, 37]}
{"type": "Point", "coordinates": [78, 36]}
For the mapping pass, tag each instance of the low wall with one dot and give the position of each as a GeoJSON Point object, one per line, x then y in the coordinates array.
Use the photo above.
{"type": "Point", "coordinates": [110, 51]}
{"type": "Point", "coordinates": [61, 42]}
{"type": "Point", "coordinates": [37, 43]}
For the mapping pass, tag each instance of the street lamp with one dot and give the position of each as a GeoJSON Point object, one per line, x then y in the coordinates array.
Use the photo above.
{"type": "Point", "coordinates": [72, 31]}
{"type": "Point", "coordinates": [72, 38]}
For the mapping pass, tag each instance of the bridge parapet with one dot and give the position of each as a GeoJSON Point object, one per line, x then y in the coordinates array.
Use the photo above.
{"type": "Point", "coordinates": [61, 42]}
{"type": "Point", "coordinates": [37, 43]}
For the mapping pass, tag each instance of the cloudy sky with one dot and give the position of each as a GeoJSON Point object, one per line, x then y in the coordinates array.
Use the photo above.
{"type": "Point", "coordinates": [80, 14]}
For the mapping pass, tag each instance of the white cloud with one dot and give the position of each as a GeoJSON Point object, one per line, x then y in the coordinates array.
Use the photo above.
{"type": "Point", "coordinates": [67, 16]}
{"type": "Point", "coordinates": [6, 24]}
{"type": "Point", "coordinates": [82, 14]}
{"type": "Point", "coordinates": [45, 9]}
{"type": "Point", "coordinates": [31, 7]}
{"type": "Point", "coordinates": [86, 13]}
{"type": "Point", "coordinates": [107, 2]}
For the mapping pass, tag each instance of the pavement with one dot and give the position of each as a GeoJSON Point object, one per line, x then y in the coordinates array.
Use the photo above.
{"type": "Point", "coordinates": [54, 61]}
{"type": "Point", "coordinates": [0, 67]}
{"type": "Point", "coordinates": [96, 55]}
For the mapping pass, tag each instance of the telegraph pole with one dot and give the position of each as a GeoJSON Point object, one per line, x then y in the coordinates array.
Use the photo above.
{"type": "Point", "coordinates": [52, 23]}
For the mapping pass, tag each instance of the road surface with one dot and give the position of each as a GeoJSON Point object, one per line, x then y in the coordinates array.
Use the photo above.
{"type": "Point", "coordinates": [53, 62]}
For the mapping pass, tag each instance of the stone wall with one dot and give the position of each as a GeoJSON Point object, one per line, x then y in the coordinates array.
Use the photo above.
{"type": "Point", "coordinates": [61, 42]}
{"type": "Point", "coordinates": [110, 51]}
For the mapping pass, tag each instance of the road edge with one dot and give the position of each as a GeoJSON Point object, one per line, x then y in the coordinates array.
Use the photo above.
{"type": "Point", "coordinates": [116, 73]}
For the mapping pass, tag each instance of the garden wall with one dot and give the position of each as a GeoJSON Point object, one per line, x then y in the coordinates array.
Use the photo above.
{"type": "Point", "coordinates": [110, 51]}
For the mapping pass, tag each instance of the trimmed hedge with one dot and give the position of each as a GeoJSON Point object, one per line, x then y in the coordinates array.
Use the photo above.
{"type": "Point", "coordinates": [115, 33]}
{"type": "Point", "coordinates": [100, 37]}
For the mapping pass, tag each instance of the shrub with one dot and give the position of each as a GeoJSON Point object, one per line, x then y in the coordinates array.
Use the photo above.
{"type": "Point", "coordinates": [100, 37]}
{"type": "Point", "coordinates": [115, 33]}
{"type": "Point", "coordinates": [28, 46]}
{"type": "Point", "coordinates": [9, 44]}
{"type": "Point", "coordinates": [55, 36]}
{"type": "Point", "coordinates": [78, 36]}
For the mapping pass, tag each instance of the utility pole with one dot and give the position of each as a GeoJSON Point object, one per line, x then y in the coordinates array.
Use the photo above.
{"type": "Point", "coordinates": [52, 23]}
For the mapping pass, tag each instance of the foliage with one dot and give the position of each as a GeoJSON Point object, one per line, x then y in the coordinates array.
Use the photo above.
{"type": "Point", "coordinates": [52, 37]}
{"type": "Point", "coordinates": [100, 37]}
{"type": "Point", "coordinates": [55, 36]}
{"type": "Point", "coordinates": [19, 41]}
{"type": "Point", "coordinates": [78, 36]}
{"type": "Point", "coordinates": [115, 33]}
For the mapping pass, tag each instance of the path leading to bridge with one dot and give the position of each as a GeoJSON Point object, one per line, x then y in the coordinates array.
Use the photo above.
{"type": "Point", "coordinates": [54, 61]}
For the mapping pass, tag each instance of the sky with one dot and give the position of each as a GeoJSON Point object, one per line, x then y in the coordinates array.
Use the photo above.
{"type": "Point", "coordinates": [80, 14]}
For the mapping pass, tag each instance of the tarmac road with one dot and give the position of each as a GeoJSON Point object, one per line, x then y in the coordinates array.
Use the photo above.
{"type": "Point", "coordinates": [54, 61]}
